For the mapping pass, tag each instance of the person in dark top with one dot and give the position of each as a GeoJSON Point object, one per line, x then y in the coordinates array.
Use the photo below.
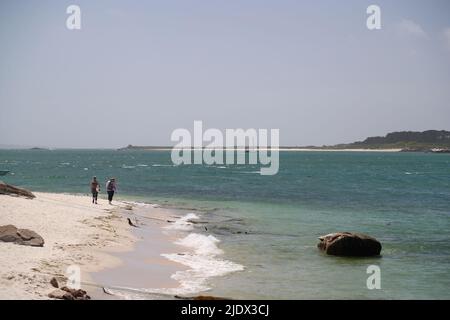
{"type": "Point", "coordinates": [95, 189]}
{"type": "Point", "coordinates": [111, 188]}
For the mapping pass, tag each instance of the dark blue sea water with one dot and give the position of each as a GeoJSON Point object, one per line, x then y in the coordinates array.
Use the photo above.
{"type": "Point", "coordinates": [270, 224]}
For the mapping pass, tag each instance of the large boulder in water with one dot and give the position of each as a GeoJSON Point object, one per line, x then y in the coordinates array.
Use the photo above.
{"type": "Point", "coordinates": [10, 233]}
{"type": "Point", "coordinates": [11, 190]}
{"type": "Point", "coordinates": [349, 244]}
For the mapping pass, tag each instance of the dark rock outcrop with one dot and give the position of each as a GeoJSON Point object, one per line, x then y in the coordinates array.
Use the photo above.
{"type": "Point", "coordinates": [10, 233]}
{"type": "Point", "coordinates": [131, 223]}
{"type": "Point", "coordinates": [349, 244]}
{"type": "Point", "coordinates": [201, 298]}
{"type": "Point", "coordinates": [14, 191]}
{"type": "Point", "coordinates": [54, 282]}
{"type": "Point", "coordinates": [66, 293]}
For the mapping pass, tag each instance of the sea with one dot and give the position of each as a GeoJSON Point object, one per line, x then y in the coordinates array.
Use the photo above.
{"type": "Point", "coordinates": [256, 236]}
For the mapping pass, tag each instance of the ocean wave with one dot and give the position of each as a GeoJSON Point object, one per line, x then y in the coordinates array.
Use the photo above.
{"type": "Point", "coordinates": [162, 165]}
{"type": "Point", "coordinates": [202, 261]}
{"type": "Point", "coordinates": [201, 244]}
{"type": "Point", "coordinates": [141, 204]}
{"type": "Point", "coordinates": [195, 279]}
{"type": "Point", "coordinates": [141, 165]}
{"type": "Point", "coordinates": [124, 166]}
{"type": "Point", "coordinates": [183, 223]}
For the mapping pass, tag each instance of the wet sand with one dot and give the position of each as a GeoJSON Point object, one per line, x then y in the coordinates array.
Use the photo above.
{"type": "Point", "coordinates": [143, 268]}
{"type": "Point", "coordinates": [95, 238]}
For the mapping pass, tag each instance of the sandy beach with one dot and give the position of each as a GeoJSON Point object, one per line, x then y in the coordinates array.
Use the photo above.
{"type": "Point", "coordinates": [75, 231]}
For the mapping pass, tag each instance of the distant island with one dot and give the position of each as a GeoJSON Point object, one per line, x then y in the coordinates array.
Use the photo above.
{"type": "Point", "coordinates": [406, 141]}
{"type": "Point", "coordinates": [436, 141]}
{"type": "Point", "coordinates": [39, 148]}
{"type": "Point", "coordinates": [21, 147]}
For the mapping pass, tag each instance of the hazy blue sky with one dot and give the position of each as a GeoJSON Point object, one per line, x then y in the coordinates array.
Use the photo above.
{"type": "Point", "coordinates": [137, 70]}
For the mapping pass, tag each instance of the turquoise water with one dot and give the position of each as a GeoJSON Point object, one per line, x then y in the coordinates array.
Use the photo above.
{"type": "Point", "coordinates": [270, 224]}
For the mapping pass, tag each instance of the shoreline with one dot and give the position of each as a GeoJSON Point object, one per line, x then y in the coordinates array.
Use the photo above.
{"type": "Point", "coordinates": [75, 231]}
{"type": "Point", "coordinates": [279, 149]}
{"type": "Point", "coordinates": [144, 267]}
{"type": "Point", "coordinates": [157, 258]}
{"type": "Point", "coordinates": [180, 266]}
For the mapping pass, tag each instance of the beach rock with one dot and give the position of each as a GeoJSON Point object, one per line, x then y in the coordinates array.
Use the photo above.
{"type": "Point", "coordinates": [58, 294]}
{"type": "Point", "coordinates": [349, 244]}
{"type": "Point", "coordinates": [66, 293]}
{"type": "Point", "coordinates": [77, 294]}
{"type": "Point", "coordinates": [131, 223]}
{"type": "Point", "coordinates": [10, 233]}
{"type": "Point", "coordinates": [54, 282]}
{"type": "Point", "coordinates": [68, 296]}
{"type": "Point", "coordinates": [11, 190]}
{"type": "Point", "coordinates": [200, 298]}
{"type": "Point", "coordinates": [26, 235]}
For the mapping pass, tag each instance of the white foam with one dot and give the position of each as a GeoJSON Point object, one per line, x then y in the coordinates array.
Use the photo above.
{"type": "Point", "coordinates": [183, 223]}
{"type": "Point", "coordinates": [202, 261]}
{"type": "Point", "coordinates": [201, 244]}
{"type": "Point", "coordinates": [202, 256]}
{"type": "Point", "coordinates": [201, 269]}
{"type": "Point", "coordinates": [406, 172]}
{"type": "Point", "coordinates": [143, 204]}
{"type": "Point", "coordinates": [203, 264]}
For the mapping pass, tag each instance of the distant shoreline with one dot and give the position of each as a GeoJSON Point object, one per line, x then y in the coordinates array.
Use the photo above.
{"type": "Point", "coordinates": [167, 148]}
{"type": "Point", "coordinates": [280, 149]}
{"type": "Point", "coordinates": [289, 149]}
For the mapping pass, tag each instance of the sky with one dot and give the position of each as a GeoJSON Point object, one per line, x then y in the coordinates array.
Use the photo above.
{"type": "Point", "coordinates": [138, 70]}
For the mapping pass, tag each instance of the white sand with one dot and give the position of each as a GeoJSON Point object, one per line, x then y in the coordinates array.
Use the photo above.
{"type": "Point", "coordinates": [76, 232]}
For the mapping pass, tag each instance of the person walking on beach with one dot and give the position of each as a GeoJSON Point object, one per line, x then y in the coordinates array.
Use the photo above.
{"type": "Point", "coordinates": [95, 189]}
{"type": "Point", "coordinates": [111, 188]}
